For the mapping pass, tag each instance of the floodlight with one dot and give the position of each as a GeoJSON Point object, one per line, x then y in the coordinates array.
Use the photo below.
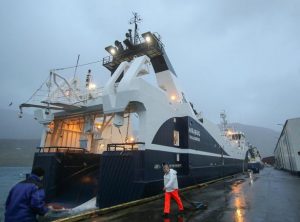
{"type": "Point", "coordinates": [111, 49]}
{"type": "Point", "coordinates": [149, 37]}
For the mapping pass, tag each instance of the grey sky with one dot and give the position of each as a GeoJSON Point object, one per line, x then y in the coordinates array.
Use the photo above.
{"type": "Point", "coordinates": [241, 56]}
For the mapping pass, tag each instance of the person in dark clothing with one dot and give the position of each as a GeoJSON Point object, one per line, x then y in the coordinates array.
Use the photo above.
{"type": "Point", "coordinates": [26, 199]}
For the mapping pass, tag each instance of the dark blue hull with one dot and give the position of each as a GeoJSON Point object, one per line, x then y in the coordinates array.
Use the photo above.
{"type": "Point", "coordinates": [116, 177]}
{"type": "Point", "coordinates": [131, 175]}
{"type": "Point", "coordinates": [70, 178]}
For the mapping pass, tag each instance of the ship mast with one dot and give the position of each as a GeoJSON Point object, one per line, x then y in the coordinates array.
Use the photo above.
{"type": "Point", "coordinates": [135, 20]}
{"type": "Point", "coordinates": [224, 121]}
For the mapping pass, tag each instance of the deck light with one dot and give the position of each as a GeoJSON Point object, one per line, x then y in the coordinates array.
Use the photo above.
{"type": "Point", "coordinates": [67, 93]}
{"type": "Point", "coordinates": [229, 133]}
{"type": "Point", "coordinates": [173, 97]}
{"type": "Point", "coordinates": [111, 49]}
{"type": "Point", "coordinates": [148, 39]}
{"type": "Point", "coordinates": [92, 86]}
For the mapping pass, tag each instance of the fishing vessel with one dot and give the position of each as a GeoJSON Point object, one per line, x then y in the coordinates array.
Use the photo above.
{"type": "Point", "coordinates": [254, 160]}
{"type": "Point", "coordinates": [110, 142]}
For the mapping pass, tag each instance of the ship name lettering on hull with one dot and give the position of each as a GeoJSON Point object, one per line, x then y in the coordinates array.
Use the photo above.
{"type": "Point", "coordinates": [194, 134]}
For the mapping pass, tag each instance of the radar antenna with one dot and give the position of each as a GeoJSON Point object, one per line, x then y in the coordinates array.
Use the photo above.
{"type": "Point", "coordinates": [135, 20]}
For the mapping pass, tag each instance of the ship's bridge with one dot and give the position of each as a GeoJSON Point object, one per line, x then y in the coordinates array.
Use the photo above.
{"type": "Point", "coordinates": [237, 138]}
{"type": "Point", "coordinates": [150, 44]}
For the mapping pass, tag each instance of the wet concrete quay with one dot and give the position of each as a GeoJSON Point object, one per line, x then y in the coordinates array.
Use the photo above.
{"type": "Point", "coordinates": [272, 195]}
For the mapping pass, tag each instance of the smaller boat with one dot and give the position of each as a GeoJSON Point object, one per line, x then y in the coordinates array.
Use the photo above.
{"type": "Point", "coordinates": [255, 164]}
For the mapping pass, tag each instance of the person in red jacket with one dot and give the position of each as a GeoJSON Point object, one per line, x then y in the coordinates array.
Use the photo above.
{"type": "Point", "coordinates": [171, 189]}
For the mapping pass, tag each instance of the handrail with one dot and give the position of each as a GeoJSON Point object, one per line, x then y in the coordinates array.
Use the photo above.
{"type": "Point", "coordinates": [60, 149]}
{"type": "Point", "coordinates": [123, 146]}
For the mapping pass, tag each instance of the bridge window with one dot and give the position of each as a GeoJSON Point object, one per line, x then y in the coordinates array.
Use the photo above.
{"type": "Point", "coordinates": [176, 138]}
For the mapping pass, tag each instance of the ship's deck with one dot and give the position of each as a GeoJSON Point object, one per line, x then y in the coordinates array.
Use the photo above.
{"type": "Point", "coordinates": [272, 195]}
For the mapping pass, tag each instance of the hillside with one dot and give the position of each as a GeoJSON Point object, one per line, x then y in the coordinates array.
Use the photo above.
{"type": "Point", "coordinates": [17, 152]}
{"type": "Point", "coordinates": [13, 127]}
{"type": "Point", "coordinates": [19, 138]}
{"type": "Point", "coordinates": [263, 138]}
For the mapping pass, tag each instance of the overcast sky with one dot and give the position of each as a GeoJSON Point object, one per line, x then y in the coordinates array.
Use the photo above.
{"type": "Point", "coordinates": [239, 56]}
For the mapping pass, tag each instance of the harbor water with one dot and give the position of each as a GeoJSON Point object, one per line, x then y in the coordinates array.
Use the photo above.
{"type": "Point", "coordinates": [8, 177]}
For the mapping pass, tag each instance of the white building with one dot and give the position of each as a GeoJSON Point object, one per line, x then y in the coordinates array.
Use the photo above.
{"type": "Point", "coordinates": [287, 151]}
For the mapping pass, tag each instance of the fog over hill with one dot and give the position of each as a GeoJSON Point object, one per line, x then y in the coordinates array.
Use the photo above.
{"type": "Point", "coordinates": [263, 138]}
{"type": "Point", "coordinates": [16, 152]}
{"type": "Point", "coordinates": [19, 138]}
{"type": "Point", "coordinates": [13, 127]}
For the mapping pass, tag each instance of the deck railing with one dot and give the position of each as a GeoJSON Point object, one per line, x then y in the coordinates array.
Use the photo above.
{"type": "Point", "coordinates": [123, 146]}
{"type": "Point", "coordinates": [61, 149]}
